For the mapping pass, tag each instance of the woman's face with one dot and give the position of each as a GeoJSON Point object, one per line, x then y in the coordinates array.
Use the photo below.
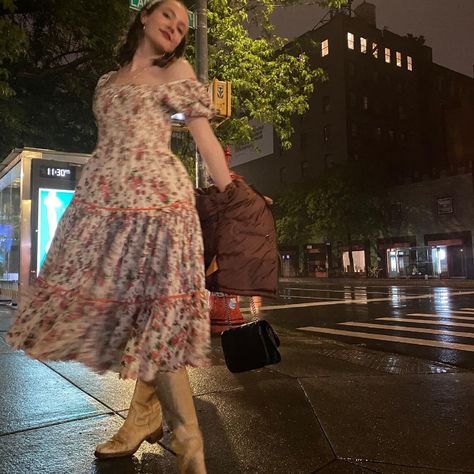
{"type": "Point", "coordinates": [166, 25]}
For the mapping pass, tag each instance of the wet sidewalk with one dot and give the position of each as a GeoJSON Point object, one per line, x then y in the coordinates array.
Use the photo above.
{"type": "Point", "coordinates": [327, 407]}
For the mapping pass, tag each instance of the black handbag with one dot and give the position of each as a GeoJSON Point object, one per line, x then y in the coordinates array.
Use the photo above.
{"type": "Point", "coordinates": [250, 346]}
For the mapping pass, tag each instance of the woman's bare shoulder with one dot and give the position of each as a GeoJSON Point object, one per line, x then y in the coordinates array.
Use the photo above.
{"type": "Point", "coordinates": [180, 69]}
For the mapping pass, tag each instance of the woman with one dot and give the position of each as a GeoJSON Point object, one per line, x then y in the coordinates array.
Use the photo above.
{"type": "Point", "coordinates": [123, 283]}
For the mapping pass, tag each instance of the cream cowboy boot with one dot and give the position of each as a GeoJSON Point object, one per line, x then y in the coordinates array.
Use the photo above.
{"type": "Point", "coordinates": [174, 393]}
{"type": "Point", "coordinates": [144, 422]}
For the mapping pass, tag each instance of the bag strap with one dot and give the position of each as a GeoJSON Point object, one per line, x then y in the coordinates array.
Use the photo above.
{"type": "Point", "coordinates": [253, 309]}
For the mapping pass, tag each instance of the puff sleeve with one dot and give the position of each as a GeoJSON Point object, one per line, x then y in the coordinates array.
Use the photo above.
{"type": "Point", "coordinates": [188, 97]}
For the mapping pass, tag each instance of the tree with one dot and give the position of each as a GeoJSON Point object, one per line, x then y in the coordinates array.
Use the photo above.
{"type": "Point", "coordinates": [12, 45]}
{"type": "Point", "coordinates": [345, 204]}
{"type": "Point", "coordinates": [62, 46]}
{"type": "Point", "coordinates": [50, 61]}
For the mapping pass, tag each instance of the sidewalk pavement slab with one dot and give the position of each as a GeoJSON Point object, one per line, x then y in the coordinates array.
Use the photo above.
{"type": "Point", "coordinates": [343, 467]}
{"type": "Point", "coordinates": [420, 421]}
{"type": "Point", "coordinates": [4, 347]}
{"type": "Point", "coordinates": [67, 448]}
{"type": "Point", "coordinates": [328, 407]}
{"type": "Point", "coordinates": [107, 388]}
{"type": "Point", "coordinates": [32, 396]}
{"type": "Point", "coordinates": [267, 427]}
{"type": "Point", "coordinates": [394, 469]}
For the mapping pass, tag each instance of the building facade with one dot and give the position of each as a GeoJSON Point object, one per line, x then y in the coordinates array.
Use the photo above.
{"type": "Point", "coordinates": [383, 98]}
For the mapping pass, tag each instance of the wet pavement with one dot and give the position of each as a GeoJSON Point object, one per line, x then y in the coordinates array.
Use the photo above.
{"type": "Point", "coordinates": [414, 319]}
{"type": "Point", "coordinates": [333, 405]}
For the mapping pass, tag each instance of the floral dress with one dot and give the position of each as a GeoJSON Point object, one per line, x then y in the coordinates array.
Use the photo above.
{"type": "Point", "coordinates": [122, 286]}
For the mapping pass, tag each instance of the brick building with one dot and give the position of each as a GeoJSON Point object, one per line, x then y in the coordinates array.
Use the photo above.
{"type": "Point", "coordinates": [384, 98]}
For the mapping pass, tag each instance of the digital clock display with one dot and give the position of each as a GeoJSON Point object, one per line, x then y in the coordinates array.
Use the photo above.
{"type": "Point", "coordinates": [57, 172]}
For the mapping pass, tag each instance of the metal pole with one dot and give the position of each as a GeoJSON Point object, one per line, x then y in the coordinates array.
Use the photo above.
{"type": "Point", "coordinates": [202, 72]}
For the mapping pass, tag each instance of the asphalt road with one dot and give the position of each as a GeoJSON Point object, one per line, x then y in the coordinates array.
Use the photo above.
{"type": "Point", "coordinates": [436, 324]}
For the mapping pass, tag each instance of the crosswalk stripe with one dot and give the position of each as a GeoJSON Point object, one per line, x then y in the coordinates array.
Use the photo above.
{"type": "Point", "coordinates": [359, 291]}
{"type": "Point", "coordinates": [437, 315]}
{"type": "Point", "coordinates": [324, 298]}
{"type": "Point", "coordinates": [458, 311]}
{"type": "Point", "coordinates": [361, 301]}
{"type": "Point", "coordinates": [383, 337]}
{"type": "Point", "coordinates": [427, 321]}
{"type": "Point", "coordinates": [441, 332]}
{"type": "Point", "coordinates": [468, 309]}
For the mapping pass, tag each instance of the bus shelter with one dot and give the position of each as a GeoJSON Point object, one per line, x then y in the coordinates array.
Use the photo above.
{"type": "Point", "coordinates": [36, 186]}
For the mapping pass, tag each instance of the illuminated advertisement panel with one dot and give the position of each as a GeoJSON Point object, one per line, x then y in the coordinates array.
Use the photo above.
{"type": "Point", "coordinates": [51, 206]}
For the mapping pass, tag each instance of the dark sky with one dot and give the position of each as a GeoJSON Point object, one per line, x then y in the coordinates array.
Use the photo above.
{"type": "Point", "coordinates": [447, 25]}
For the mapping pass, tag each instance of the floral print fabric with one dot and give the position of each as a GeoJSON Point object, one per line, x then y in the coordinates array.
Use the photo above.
{"type": "Point", "coordinates": [122, 286]}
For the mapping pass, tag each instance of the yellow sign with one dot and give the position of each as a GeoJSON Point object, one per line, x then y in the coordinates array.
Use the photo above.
{"type": "Point", "coordinates": [221, 97]}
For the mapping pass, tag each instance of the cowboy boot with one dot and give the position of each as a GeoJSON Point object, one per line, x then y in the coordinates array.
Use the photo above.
{"type": "Point", "coordinates": [174, 393]}
{"type": "Point", "coordinates": [143, 422]}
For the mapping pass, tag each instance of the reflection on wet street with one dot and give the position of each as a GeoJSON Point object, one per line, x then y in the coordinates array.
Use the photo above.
{"type": "Point", "coordinates": [419, 320]}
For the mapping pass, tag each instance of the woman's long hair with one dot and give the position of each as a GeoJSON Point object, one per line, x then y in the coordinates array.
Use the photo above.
{"type": "Point", "coordinates": [135, 35]}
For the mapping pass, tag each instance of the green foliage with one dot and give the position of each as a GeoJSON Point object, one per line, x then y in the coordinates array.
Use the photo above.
{"type": "Point", "coordinates": [269, 84]}
{"type": "Point", "coordinates": [53, 51]}
{"type": "Point", "coordinates": [50, 59]}
{"type": "Point", "coordinates": [345, 204]}
{"type": "Point", "coordinates": [12, 45]}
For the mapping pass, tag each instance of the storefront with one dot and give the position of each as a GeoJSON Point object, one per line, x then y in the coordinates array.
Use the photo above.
{"type": "Point", "coordinates": [360, 258]}
{"type": "Point", "coordinates": [36, 186]}
{"type": "Point", "coordinates": [438, 259]}
{"type": "Point", "coordinates": [454, 250]}
{"type": "Point", "coordinates": [391, 255]}
{"type": "Point", "coordinates": [317, 260]}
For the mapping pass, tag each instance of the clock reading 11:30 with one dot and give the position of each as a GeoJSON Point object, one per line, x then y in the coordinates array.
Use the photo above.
{"type": "Point", "coordinates": [55, 172]}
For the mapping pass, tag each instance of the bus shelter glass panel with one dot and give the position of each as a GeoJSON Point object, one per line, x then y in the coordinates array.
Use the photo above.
{"type": "Point", "coordinates": [10, 228]}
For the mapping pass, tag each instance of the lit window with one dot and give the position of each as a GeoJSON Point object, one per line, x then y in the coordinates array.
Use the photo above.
{"type": "Point", "coordinates": [365, 102]}
{"type": "Point", "coordinates": [409, 63]}
{"type": "Point", "coordinates": [378, 133]}
{"type": "Point", "coordinates": [350, 40]}
{"type": "Point", "coordinates": [399, 59]}
{"type": "Point", "coordinates": [387, 55]}
{"type": "Point", "coordinates": [325, 48]}
{"type": "Point", "coordinates": [375, 50]}
{"type": "Point", "coordinates": [363, 45]}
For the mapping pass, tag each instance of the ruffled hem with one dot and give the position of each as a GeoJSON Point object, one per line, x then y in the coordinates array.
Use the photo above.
{"type": "Point", "coordinates": [136, 341]}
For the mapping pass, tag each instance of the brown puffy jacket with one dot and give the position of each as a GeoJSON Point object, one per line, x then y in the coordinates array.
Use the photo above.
{"type": "Point", "coordinates": [240, 249]}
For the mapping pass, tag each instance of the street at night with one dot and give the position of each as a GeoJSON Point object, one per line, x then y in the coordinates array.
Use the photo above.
{"type": "Point", "coordinates": [338, 402]}
{"type": "Point", "coordinates": [236, 237]}
{"type": "Point", "coordinates": [433, 323]}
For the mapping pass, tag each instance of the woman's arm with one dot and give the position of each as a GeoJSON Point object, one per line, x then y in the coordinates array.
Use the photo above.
{"type": "Point", "coordinates": [211, 151]}
{"type": "Point", "coordinates": [207, 143]}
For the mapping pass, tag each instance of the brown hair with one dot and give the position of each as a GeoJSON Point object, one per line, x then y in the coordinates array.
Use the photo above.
{"type": "Point", "coordinates": [130, 44]}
